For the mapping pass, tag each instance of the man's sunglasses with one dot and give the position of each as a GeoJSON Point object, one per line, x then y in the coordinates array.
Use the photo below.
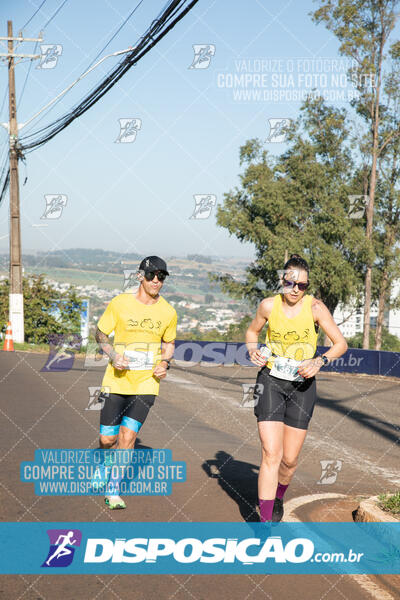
{"type": "Point", "coordinates": [292, 284]}
{"type": "Point", "coordinates": [149, 275]}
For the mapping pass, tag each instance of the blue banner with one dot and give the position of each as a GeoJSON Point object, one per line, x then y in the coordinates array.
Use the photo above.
{"type": "Point", "coordinates": [355, 360]}
{"type": "Point", "coordinates": [198, 548]}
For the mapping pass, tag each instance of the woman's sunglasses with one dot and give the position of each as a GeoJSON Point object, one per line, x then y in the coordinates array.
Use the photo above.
{"type": "Point", "coordinates": [292, 284]}
{"type": "Point", "coordinates": [161, 275]}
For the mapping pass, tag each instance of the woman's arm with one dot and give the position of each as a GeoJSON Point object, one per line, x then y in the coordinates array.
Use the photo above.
{"type": "Point", "coordinates": [255, 327]}
{"type": "Point", "coordinates": [324, 319]}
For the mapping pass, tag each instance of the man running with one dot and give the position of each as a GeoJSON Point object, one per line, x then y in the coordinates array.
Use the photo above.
{"type": "Point", "coordinates": [287, 378]}
{"type": "Point", "coordinates": [144, 326]}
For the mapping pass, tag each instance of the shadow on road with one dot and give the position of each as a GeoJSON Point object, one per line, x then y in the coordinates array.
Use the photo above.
{"type": "Point", "coordinates": [389, 431]}
{"type": "Point", "coordinates": [236, 478]}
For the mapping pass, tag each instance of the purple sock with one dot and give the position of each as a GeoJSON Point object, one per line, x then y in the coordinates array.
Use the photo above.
{"type": "Point", "coordinates": [266, 507]}
{"type": "Point", "coordinates": [280, 490]}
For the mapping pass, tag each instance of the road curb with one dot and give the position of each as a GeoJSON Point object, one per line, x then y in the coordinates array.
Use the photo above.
{"type": "Point", "coordinates": [368, 511]}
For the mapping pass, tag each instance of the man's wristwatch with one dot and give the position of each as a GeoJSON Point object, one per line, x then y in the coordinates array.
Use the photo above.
{"type": "Point", "coordinates": [324, 358]}
{"type": "Point", "coordinates": [167, 361]}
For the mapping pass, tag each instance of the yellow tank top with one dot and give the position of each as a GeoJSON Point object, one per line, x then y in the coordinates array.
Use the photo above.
{"type": "Point", "coordinates": [291, 337]}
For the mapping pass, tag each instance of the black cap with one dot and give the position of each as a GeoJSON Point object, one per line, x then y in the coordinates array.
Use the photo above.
{"type": "Point", "coordinates": [153, 263]}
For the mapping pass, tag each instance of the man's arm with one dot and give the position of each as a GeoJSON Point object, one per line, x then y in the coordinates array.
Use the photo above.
{"type": "Point", "coordinates": [118, 361]}
{"type": "Point", "coordinates": [167, 352]}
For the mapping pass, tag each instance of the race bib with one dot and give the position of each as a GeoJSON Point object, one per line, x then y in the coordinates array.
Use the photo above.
{"type": "Point", "coordinates": [139, 361]}
{"type": "Point", "coordinates": [286, 368]}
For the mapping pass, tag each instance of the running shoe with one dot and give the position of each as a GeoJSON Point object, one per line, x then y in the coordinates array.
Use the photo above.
{"type": "Point", "coordinates": [114, 502]}
{"type": "Point", "coordinates": [277, 512]}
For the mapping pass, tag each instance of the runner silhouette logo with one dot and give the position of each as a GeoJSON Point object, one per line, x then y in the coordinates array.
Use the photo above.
{"type": "Point", "coordinates": [62, 547]}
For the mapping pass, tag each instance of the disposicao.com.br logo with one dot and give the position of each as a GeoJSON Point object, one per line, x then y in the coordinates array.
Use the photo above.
{"type": "Point", "coordinates": [212, 550]}
{"type": "Point", "coordinates": [199, 548]}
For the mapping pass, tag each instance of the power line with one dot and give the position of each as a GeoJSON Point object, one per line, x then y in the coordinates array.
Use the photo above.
{"type": "Point", "coordinates": [27, 76]}
{"type": "Point", "coordinates": [34, 14]}
{"type": "Point", "coordinates": [175, 10]}
{"type": "Point", "coordinates": [56, 13]}
{"type": "Point", "coordinates": [36, 44]}
{"type": "Point", "coordinates": [2, 104]}
{"type": "Point", "coordinates": [6, 183]}
{"type": "Point", "coordinates": [115, 34]}
{"type": "Point", "coordinates": [94, 60]}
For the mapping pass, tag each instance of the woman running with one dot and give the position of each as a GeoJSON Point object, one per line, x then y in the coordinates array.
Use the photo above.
{"type": "Point", "coordinates": [287, 377]}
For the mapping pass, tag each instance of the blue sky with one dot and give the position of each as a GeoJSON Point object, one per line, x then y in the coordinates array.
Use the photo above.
{"type": "Point", "coordinates": [138, 196]}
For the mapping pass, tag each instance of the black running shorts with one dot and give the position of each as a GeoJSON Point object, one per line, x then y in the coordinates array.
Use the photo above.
{"type": "Point", "coordinates": [122, 409]}
{"type": "Point", "coordinates": [291, 402]}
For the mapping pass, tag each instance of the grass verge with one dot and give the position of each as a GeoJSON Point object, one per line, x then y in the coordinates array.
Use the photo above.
{"type": "Point", "coordinates": [390, 503]}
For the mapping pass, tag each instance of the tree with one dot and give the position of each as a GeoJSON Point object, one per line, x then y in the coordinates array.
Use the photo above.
{"type": "Point", "coordinates": [390, 342]}
{"type": "Point", "coordinates": [299, 203]}
{"type": "Point", "coordinates": [47, 311]}
{"type": "Point", "coordinates": [363, 28]}
{"type": "Point", "coordinates": [387, 267]}
{"type": "Point", "coordinates": [237, 332]}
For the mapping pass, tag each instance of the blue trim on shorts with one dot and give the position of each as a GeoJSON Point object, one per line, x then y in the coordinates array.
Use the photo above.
{"type": "Point", "coordinates": [109, 429]}
{"type": "Point", "coordinates": [131, 424]}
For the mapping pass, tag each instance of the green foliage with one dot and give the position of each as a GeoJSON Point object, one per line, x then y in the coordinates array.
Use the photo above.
{"type": "Point", "coordinates": [390, 342]}
{"type": "Point", "coordinates": [364, 30]}
{"type": "Point", "coordinates": [40, 300]}
{"type": "Point", "coordinates": [236, 332]}
{"type": "Point", "coordinates": [212, 335]}
{"type": "Point", "coordinates": [390, 502]}
{"type": "Point", "coordinates": [299, 203]}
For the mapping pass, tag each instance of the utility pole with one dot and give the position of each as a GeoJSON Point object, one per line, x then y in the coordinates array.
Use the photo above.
{"type": "Point", "coordinates": [16, 305]}
{"type": "Point", "coordinates": [16, 299]}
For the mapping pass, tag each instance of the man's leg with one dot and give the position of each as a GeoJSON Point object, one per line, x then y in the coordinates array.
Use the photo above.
{"type": "Point", "coordinates": [110, 419]}
{"type": "Point", "coordinates": [135, 413]}
{"type": "Point", "coordinates": [107, 442]}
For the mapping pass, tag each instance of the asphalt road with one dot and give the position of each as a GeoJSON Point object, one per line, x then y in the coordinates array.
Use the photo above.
{"type": "Point", "coordinates": [200, 416]}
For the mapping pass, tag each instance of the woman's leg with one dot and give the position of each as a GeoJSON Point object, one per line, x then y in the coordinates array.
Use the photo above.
{"type": "Point", "coordinates": [293, 439]}
{"type": "Point", "coordinates": [271, 437]}
{"type": "Point", "coordinates": [299, 409]}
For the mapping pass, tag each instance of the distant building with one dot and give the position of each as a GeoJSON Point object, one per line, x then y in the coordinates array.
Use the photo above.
{"type": "Point", "coordinates": [351, 322]}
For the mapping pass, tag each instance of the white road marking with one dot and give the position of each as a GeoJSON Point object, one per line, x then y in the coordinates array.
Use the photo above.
{"type": "Point", "coordinates": [186, 383]}
{"type": "Point", "coordinates": [352, 456]}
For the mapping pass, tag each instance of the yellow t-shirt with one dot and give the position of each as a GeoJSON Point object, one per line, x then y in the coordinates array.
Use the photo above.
{"type": "Point", "coordinates": [138, 331]}
{"type": "Point", "coordinates": [291, 337]}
